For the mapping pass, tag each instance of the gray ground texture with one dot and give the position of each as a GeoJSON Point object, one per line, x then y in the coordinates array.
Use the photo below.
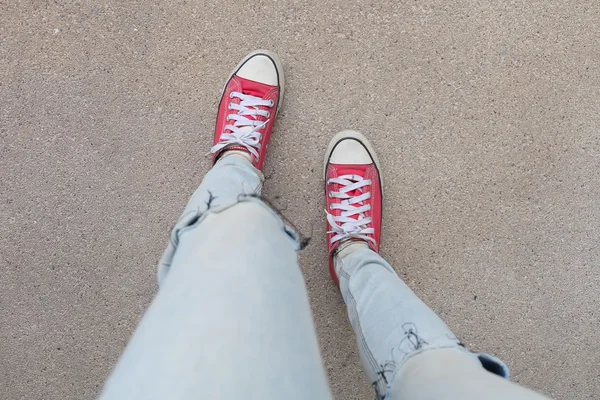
{"type": "Point", "coordinates": [485, 114]}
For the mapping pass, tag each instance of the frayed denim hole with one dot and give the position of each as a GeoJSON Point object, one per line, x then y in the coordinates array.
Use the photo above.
{"type": "Point", "coordinates": [492, 365]}
{"type": "Point", "coordinates": [192, 221]}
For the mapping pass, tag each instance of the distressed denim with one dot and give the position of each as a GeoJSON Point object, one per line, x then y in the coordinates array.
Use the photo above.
{"type": "Point", "coordinates": [231, 319]}
{"type": "Point", "coordinates": [406, 350]}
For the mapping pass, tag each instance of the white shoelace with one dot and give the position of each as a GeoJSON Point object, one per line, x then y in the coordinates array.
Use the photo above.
{"type": "Point", "coordinates": [245, 131]}
{"type": "Point", "coordinates": [345, 226]}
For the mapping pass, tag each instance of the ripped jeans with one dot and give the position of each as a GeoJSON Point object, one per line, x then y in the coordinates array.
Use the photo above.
{"type": "Point", "coordinates": [231, 319]}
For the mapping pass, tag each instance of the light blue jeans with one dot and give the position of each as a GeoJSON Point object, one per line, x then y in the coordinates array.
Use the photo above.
{"type": "Point", "coordinates": [231, 319]}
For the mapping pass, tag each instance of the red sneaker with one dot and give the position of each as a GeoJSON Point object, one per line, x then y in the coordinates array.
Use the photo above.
{"type": "Point", "coordinates": [248, 107]}
{"type": "Point", "coordinates": [353, 193]}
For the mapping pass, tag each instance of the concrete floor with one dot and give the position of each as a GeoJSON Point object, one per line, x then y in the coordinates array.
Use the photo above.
{"type": "Point", "coordinates": [486, 115]}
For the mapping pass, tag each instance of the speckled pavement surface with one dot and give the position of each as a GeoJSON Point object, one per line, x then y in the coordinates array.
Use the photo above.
{"type": "Point", "coordinates": [486, 115]}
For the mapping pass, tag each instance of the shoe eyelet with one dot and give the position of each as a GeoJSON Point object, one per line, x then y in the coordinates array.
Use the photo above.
{"type": "Point", "coordinates": [331, 193]}
{"type": "Point", "coordinates": [231, 95]}
{"type": "Point", "coordinates": [272, 103]}
{"type": "Point", "coordinates": [229, 106]}
{"type": "Point", "coordinates": [268, 115]}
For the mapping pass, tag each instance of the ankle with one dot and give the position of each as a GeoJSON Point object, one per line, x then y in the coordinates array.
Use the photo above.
{"type": "Point", "coordinates": [242, 161]}
{"type": "Point", "coordinates": [350, 246]}
{"type": "Point", "coordinates": [239, 153]}
{"type": "Point", "coordinates": [344, 250]}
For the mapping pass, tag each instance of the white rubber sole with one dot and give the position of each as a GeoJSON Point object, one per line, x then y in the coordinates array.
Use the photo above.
{"type": "Point", "coordinates": [345, 134]}
{"type": "Point", "coordinates": [278, 66]}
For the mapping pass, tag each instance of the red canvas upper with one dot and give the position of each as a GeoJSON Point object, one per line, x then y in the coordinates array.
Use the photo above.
{"type": "Point", "coordinates": [367, 171]}
{"type": "Point", "coordinates": [248, 87]}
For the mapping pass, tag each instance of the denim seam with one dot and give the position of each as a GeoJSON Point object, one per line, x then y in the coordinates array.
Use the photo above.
{"type": "Point", "coordinates": [370, 356]}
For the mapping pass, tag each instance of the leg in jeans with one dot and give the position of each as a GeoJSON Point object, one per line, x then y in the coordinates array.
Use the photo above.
{"type": "Point", "coordinates": [231, 319]}
{"type": "Point", "coordinates": [406, 350]}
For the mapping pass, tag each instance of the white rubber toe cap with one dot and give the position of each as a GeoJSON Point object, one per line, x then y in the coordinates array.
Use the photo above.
{"type": "Point", "coordinates": [259, 68]}
{"type": "Point", "coordinates": [350, 147]}
{"type": "Point", "coordinates": [350, 151]}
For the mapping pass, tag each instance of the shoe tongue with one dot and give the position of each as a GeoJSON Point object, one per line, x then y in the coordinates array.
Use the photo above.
{"type": "Point", "coordinates": [252, 88]}
{"type": "Point", "coordinates": [252, 91]}
{"type": "Point", "coordinates": [351, 170]}
{"type": "Point", "coordinates": [256, 89]}
{"type": "Point", "coordinates": [357, 192]}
